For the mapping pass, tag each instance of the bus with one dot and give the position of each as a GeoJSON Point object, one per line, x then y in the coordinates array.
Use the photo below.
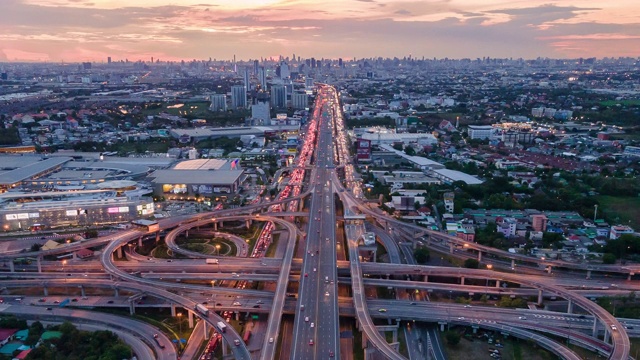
{"type": "Point", "coordinates": [202, 309]}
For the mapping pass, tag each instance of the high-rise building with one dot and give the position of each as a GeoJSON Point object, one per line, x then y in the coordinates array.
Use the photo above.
{"type": "Point", "coordinates": [300, 100]}
{"type": "Point", "coordinates": [218, 102]}
{"type": "Point", "coordinates": [247, 83]}
{"type": "Point", "coordinates": [238, 96]}
{"type": "Point", "coordinates": [278, 96]}
{"type": "Point", "coordinates": [262, 77]}
{"type": "Point", "coordinates": [255, 67]}
{"type": "Point", "coordinates": [308, 83]}
{"type": "Point", "coordinates": [261, 111]}
{"type": "Point", "coordinates": [285, 73]}
{"type": "Point", "coordinates": [109, 60]}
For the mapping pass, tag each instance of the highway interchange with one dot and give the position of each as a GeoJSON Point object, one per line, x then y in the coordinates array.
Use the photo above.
{"type": "Point", "coordinates": [309, 265]}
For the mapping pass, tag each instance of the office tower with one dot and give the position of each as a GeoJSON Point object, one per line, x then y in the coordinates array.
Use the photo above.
{"type": "Point", "coordinates": [262, 77]}
{"type": "Point", "coordinates": [308, 83]}
{"type": "Point", "coordinates": [86, 66]}
{"type": "Point", "coordinates": [109, 60]}
{"type": "Point", "coordinates": [278, 96]}
{"type": "Point", "coordinates": [313, 63]}
{"type": "Point", "coordinates": [300, 101]}
{"type": "Point", "coordinates": [285, 73]}
{"type": "Point", "coordinates": [340, 62]}
{"type": "Point", "coordinates": [247, 83]}
{"type": "Point", "coordinates": [238, 97]}
{"type": "Point", "coordinates": [218, 102]}
{"type": "Point", "coordinates": [255, 67]}
{"type": "Point", "coordinates": [261, 111]}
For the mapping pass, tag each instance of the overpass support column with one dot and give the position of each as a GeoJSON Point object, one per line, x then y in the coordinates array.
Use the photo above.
{"type": "Point", "coordinates": [140, 240]}
{"type": "Point", "coordinates": [607, 335]}
{"type": "Point", "coordinates": [549, 269]}
{"type": "Point", "coordinates": [479, 256]}
{"type": "Point", "coordinates": [539, 296]}
{"type": "Point", "coordinates": [173, 310]}
{"type": "Point", "coordinates": [513, 263]}
{"type": "Point", "coordinates": [132, 308]}
{"type": "Point", "coordinates": [186, 233]}
{"type": "Point", "coordinates": [46, 291]}
{"type": "Point", "coordinates": [570, 307]}
{"type": "Point", "coordinates": [442, 327]}
{"type": "Point", "coordinates": [629, 276]}
{"type": "Point", "coordinates": [248, 224]}
{"type": "Point", "coordinates": [82, 293]}
{"type": "Point", "coordinates": [215, 226]}
{"type": "Point", "coordinates": [462, 280]}
{"type": "Point", "coordinates": [116, 291]}
{"type": "Point", "coordinates": [12, 267]}
{"type": "Point", "coordinates": [119, 252]}
{"type": "Point", "coordinates": [157, 238]}
{"type": "Point", "coordinates": [497, 283]}
{"type": "Point", "coordinates": [594, 330]}
{"type": "Point", "coordinates": [190, 319]}
{"type": "Point", "coordinates": [205, 329]}
{"type": "Point", "coordinates": [588, 274]}
{"type": "Point", "coordinates": [426, 278]}
{"type": "Point", "coordinates": [74, 255]}
{"type": "Point", "coordinates": [395, 335]}
{"type": "Point", "coordinates": [450, 248]}
{"type": "Point", "coordinates": [39, 263]}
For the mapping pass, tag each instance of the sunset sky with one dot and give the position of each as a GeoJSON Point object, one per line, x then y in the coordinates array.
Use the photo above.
{"type": "Point", "coordinates": [92, 30]}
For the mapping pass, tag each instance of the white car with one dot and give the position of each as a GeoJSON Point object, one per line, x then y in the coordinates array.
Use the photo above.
{"type": "Point", "coordinates": [313, 325]}
{"type": "Point", "coordinates": [235, 303]}
{"type": "Point", "coordinates": [306, 319]}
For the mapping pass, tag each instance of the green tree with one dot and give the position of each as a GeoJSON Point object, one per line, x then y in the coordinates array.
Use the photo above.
{"type": "Point", "coordinates": [471, 264]}
{"type": "Point", "coordinates": [608, 258]}
{"type": "Point", "coordinates": [422, 255]}
{"type": "Point", "coordinates": [550, 239]}
{"type": "Point", "coordinates": [453, 338]}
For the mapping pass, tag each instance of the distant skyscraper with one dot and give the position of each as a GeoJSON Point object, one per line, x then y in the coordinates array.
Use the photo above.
{"type": "Point", "coordinates": [238, 97]}
{"type": "Point", "coordinates": [218, 102]}
{"type": "Point", "coordinates": [109, 60]}
{"type": "Point", "coordinates": [262, 77]}
{"type": "Point", "coordinates": [340, 62]}
{"type": "Point", "coordinates": [299, 101]}
{"type": "Point", "coordinates": [285, 73]}
{"type": "Point", "coordinates": [308, 83]}
{"type": "Point", "coordinates": [278, 96]}
{"type": "Point", "coordinates": [255, 67]}
{"type": "Point", "coordinates": [247, 83]}
{"type": "Point", "coordinates": [313, 63]}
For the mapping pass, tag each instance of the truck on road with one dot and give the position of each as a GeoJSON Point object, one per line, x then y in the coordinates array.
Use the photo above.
{"type": "Point", "coordinates": [202, 309]}
{"type": "Point", "coordinates": [221, 326]}
{"type": "Point", "coordinates": [212, 261]}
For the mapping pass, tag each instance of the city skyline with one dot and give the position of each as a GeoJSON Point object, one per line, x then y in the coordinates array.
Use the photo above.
{"type": "Point", "coordinates": [93, 30]}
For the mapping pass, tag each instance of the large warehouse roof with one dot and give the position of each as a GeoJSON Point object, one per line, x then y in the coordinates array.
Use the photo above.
{"type": "Point", "coordinates": [221, 177]}
{"type": "Point", "coordinates": [30, 170]}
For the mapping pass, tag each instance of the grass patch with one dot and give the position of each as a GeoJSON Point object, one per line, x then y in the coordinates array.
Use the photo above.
{"type": "Point", "coordinates": [623, 210]}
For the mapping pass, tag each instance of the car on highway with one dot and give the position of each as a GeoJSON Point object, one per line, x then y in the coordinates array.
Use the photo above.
{"type": "Point", "coordinates": [270, 340]}
{"type": "Point", "coordinates": [306, 319]}
{"type": "Point", "coordinates": [461, 318]}
{"type": "Point", "coordinates": [312, 325]}
{"type": "Point", "coordinates": [306, 274]}
{"type": "Point", "coordinates": [331, 354]}
{"type": "Point", "coordinates": [326, 293]}
{"type": "Point", "coordinates": [259, 302]}
{"type": "Point", "coordinates": [49, 309]}
{"type": "Point", "coordinates": [42, 300]}
{"type": "Point", "coordinates": [236, 342]}
{"type": "Point", "coordinates": [614, 328]}
{"type": "Point", "coordinates": [301, 307]}
{"type": "Point", "coordinates": [310, 341]}
{"type": "Point", "coordinates": [235, 303]}
{"type": "Point", "coordinates": [382, 310]}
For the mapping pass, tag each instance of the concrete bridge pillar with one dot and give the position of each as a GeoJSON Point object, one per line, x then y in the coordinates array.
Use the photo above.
{"type": "Point", "coordinates": [82, 292]}
{"type": "Point", "coordinates": [539, 296]}
{"type": "Point", "coordinates": [462, 280]}
{"type": "Point", "coordinates": [215, 226]}
{"type": "Point", "coordinates": [594, 329]}
{"type": "Point", "coordinates": [513, 263]}
{"type": "Point", "coordinates": [629, 276]}
{"type": "Point", "coordinates": [140, 240]}
{"type": "Point", "coordinates": [173, 310]}
{"type": "Point", "coordinates": [248, 223]}
{"type": "Point", "coordinates": [132, 308]}
{"type": "Point", "coordinates": [442, 327]}
{"type": "Point", "coordinates": [588, 274]}
{"type": "Point", "coordinates": [224, 350]}
{"type": "Point", "coordinates": [119, 252]}
{"type": "Point", "coordinates": [450, 248]}
{"type": "Point", "coordinates": [426, 278]}
{"type": "Point", "coordinates": [157, 237]}
{"type": "Point", "coordinates": [190, 319]}
{"type": "Point", "coordinates": [46, 291]}
{"type": "Point", "coordinates": [116, 292]}
{"type": "Point", "coordinates": [205, 329]}
{"type": "Point", "coordinates": [12, 267]}
{"type": "Point", "coordinates": [549, 269]}
{"type": "Point", "coordinates": [74, 255]}
{"type": "Point", "coordinates": [186, 233]}
{"type": "Point", "coordinates": [479, 256]}
{"type": "Point", "coordinates": [607, 335]}
{"type": "Point", "coordinates": [221, 224]}
{"type": "Point", "coordinates": [570, 307]}
{"type": "Point", "coordinates": [395, 336]}
{"type": "Point", "coordinates": [237, 315]}
{"type": "Point", "coordinates": [497, 283]}
{"type": "Point", "coordinates": [39, 263]}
